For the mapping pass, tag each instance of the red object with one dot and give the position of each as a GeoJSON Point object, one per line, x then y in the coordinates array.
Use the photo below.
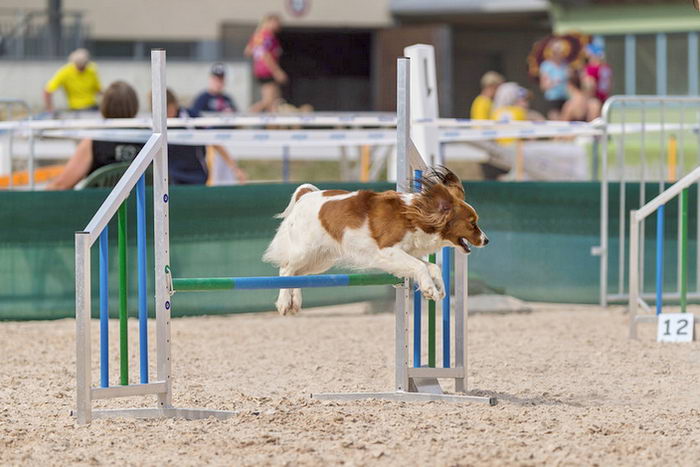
{"type": "Point", "coordinates": [264, 42]}
{"type": "Point", "coordinates": [602, 73]}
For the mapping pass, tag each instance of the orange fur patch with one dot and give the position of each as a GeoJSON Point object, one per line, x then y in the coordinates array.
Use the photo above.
{"type": "Point", "coordinates": [387, 222]}
{"type": "Point", "coordinates": [302, 192]}
{"type": "Point", "coordinates": [335, 192]}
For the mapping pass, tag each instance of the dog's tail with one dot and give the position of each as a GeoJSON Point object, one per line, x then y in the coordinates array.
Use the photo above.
{"type": "Point", "coordinates": [298, 193]}
{"type": "Point", "coordinates": [277, 252]}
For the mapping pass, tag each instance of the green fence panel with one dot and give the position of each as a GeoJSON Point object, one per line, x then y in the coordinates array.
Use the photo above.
{"type": "Point", "coordinates": [541, 237]}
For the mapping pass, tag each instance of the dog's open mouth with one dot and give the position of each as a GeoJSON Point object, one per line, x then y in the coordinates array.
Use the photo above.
{"type": "Point", "coordinates": [465, 246]}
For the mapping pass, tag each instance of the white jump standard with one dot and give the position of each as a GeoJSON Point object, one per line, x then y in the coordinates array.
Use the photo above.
{"type": "Point", "coordinates": [412, 381]}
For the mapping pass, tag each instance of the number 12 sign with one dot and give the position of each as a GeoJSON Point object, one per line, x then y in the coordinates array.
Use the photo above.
{"type": "Point", "coordinates": [675, 327]}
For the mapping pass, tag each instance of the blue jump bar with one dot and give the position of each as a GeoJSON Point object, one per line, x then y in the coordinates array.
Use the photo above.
{"type": "Point", "coordinates": [104, 307]}
{"type": "Point", "coordinates": [283, 282]}
{"type": "Point", "coordinates": [141, 271]}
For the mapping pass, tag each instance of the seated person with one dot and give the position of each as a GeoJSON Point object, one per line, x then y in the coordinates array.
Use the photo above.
{"type": "Point", "coordinates": [482, 105]}
{"type": "Point", "coordinates": [510, 103]}
{"type": "Point", "coordinates": [119, 101]}
{"type": "Point", "coordinates": [181, 166]}
{"type": "Point", "coordinates": [186, 164]}
{"type": "Point", "coordinates": [580, 106]}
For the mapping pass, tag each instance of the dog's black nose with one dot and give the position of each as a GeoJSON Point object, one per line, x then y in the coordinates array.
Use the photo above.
{"type": "Point", "coordinates": [486, 241]}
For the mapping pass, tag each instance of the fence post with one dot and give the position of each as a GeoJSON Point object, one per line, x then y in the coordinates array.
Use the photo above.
{"type": "Point", "coordinates": [161, 228]}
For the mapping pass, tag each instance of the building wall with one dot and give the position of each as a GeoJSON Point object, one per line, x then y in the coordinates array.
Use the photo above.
{"type": "Point", "coordinates": [26, 79]}
{"type": "Point", "coordinates": [477, 51]}
{"type": "Point", "coordinates": [202, 19]}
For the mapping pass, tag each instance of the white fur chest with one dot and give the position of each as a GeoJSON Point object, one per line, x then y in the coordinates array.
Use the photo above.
{"type": "Point", "coordinates": [419, 244]}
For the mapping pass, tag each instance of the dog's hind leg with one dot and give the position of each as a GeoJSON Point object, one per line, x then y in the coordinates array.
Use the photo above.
{"type": "Point", "coordinates": [288, 300]}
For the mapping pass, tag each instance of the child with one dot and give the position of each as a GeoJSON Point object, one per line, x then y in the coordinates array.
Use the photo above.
{"type": "Point", "coordinates": [481, 107]}
{"type": "Point", "coordinates": [598, 71]}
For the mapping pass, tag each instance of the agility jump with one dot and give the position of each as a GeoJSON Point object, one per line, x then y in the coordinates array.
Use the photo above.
{"type": "Point", "coordinates": [413, 381]}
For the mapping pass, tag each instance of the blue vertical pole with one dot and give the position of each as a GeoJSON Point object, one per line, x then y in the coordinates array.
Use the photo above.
{"type": "Point", "coordinates": [630, 64]}
{"type": "Point", "coordinates": [693, 63]}
{"type": "Point", "coordinates": [141, 270]}
{"type": "Point", "coordinates": [104, 308]}
{"type": "Point", "coordinates": [661, 64]}
{"type": "Point", "coordinates": [417, 348]}
{"type": "Point", "coordinates": [417, 299]}
{"type": "Point", "coordinates": [659, 259]}
{"type": "Point", "coordinates": [285, 164]}
{"type": "Point", "coordinates": [446, 268]}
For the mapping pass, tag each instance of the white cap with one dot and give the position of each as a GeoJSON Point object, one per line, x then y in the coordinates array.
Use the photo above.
{"type": "Point", "coordinates": [80, 57]}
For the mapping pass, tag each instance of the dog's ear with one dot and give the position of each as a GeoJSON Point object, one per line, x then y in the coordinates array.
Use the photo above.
{"type": "Point", "coordinates": [441, 202]}
{"type": "Point", "coordinates": [451, 181]}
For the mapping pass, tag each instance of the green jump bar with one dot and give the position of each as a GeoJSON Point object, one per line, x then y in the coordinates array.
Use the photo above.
{"type": "Point", "coordinates": [283, 282]}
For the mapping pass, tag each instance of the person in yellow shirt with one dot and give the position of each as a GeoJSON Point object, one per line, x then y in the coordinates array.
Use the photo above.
{"type": "Point", "coordinates": [510, 104]}
{"type": "Point", "coordinates": [481, 107]}
{"type": "Point", "coordinates": [79, 80]}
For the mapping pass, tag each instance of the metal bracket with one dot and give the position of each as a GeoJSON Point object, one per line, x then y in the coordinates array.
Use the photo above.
{"type": "Point", "coordinates": [169, 279]}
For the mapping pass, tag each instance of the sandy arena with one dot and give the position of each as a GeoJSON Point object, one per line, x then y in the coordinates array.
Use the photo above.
{"type": "Point", "coordinates": [572, 390]}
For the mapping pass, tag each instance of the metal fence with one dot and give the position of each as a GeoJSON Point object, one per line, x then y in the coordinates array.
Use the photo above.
{"type": "Point", "coordinates": [656, 142]}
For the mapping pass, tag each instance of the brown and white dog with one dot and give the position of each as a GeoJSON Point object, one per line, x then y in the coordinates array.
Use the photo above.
{"type": "Point", "coordinates": [367, 230]}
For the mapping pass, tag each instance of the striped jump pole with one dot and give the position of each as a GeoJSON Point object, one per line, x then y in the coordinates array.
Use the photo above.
{"type": "Point", "coordinates": [659, 259]}
{"type": "Point", "coordinates": [446, 268]}
{"type": "Point", "coordinates": [417, 300]}
{"type": "Point", "coordinates": [104, 307]}
{"type": "Point", "coordinates": [141, 273]}
{"type": "Point", "coordinates": [123, 291]}
{"type": "Point", "coordinates": [283, 282]}
{"type": "Point", "coordinates": [683, 227]}
{"type": "Point", "coordinates": [431, 325]}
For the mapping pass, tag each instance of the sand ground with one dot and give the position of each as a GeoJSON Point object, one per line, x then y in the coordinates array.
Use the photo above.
{"type": "Point", "coordinates": [572, 390]}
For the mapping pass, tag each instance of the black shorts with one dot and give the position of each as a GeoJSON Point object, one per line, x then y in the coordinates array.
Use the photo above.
{"type": "Point", "coordinates": [265, 80]}
{"type": "Point", "coordinates": [556, 104]}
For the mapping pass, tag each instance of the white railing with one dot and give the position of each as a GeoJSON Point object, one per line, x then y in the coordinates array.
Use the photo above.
{"type": "Point", "coordinates": [637, 117]}
{"type": "Point", "coordinates": [637, 218]}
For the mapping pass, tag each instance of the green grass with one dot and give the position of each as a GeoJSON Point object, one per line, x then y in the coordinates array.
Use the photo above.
{"type": "Point", "coordinates": [653, 147]}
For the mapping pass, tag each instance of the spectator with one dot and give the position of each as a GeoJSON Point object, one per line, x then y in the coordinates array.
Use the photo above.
{"type": "Point", "coordinates": [119, 101]}
{"type": "Point", "coordinates": [481, 107]}
{"type": "Point", "coordinates": [214, 99]}
{"type": "Point", "coordinates": [187, 164]}
{"type": "Point", "coordinates": [579, 106]}
{"type": "Point", "coordinates": [554, 73]}
{"type": "Point", "coordinates": [598, 71]}
{"type": "Point", "coordinates": [510, 103]}
{"type": "Point", "coordinates": [79, 80]}
{"type": "Point", "coordinates": [265, 50]}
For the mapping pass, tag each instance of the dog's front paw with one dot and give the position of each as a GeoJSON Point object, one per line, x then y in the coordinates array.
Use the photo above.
{"type": "Point", "coordinates": [431, 291]}
{"type": "Point", "coordinates": [436, 276]}
{"type": "Point", "coordinates": [440, 285]}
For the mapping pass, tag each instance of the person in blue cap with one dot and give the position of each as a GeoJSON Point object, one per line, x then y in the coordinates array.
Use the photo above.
{"type": "Point", "coordinates": [598, 71]}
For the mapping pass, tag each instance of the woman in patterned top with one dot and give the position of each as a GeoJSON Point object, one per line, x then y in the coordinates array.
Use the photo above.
{"type": "Point", "coordinates": [265, 50]}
